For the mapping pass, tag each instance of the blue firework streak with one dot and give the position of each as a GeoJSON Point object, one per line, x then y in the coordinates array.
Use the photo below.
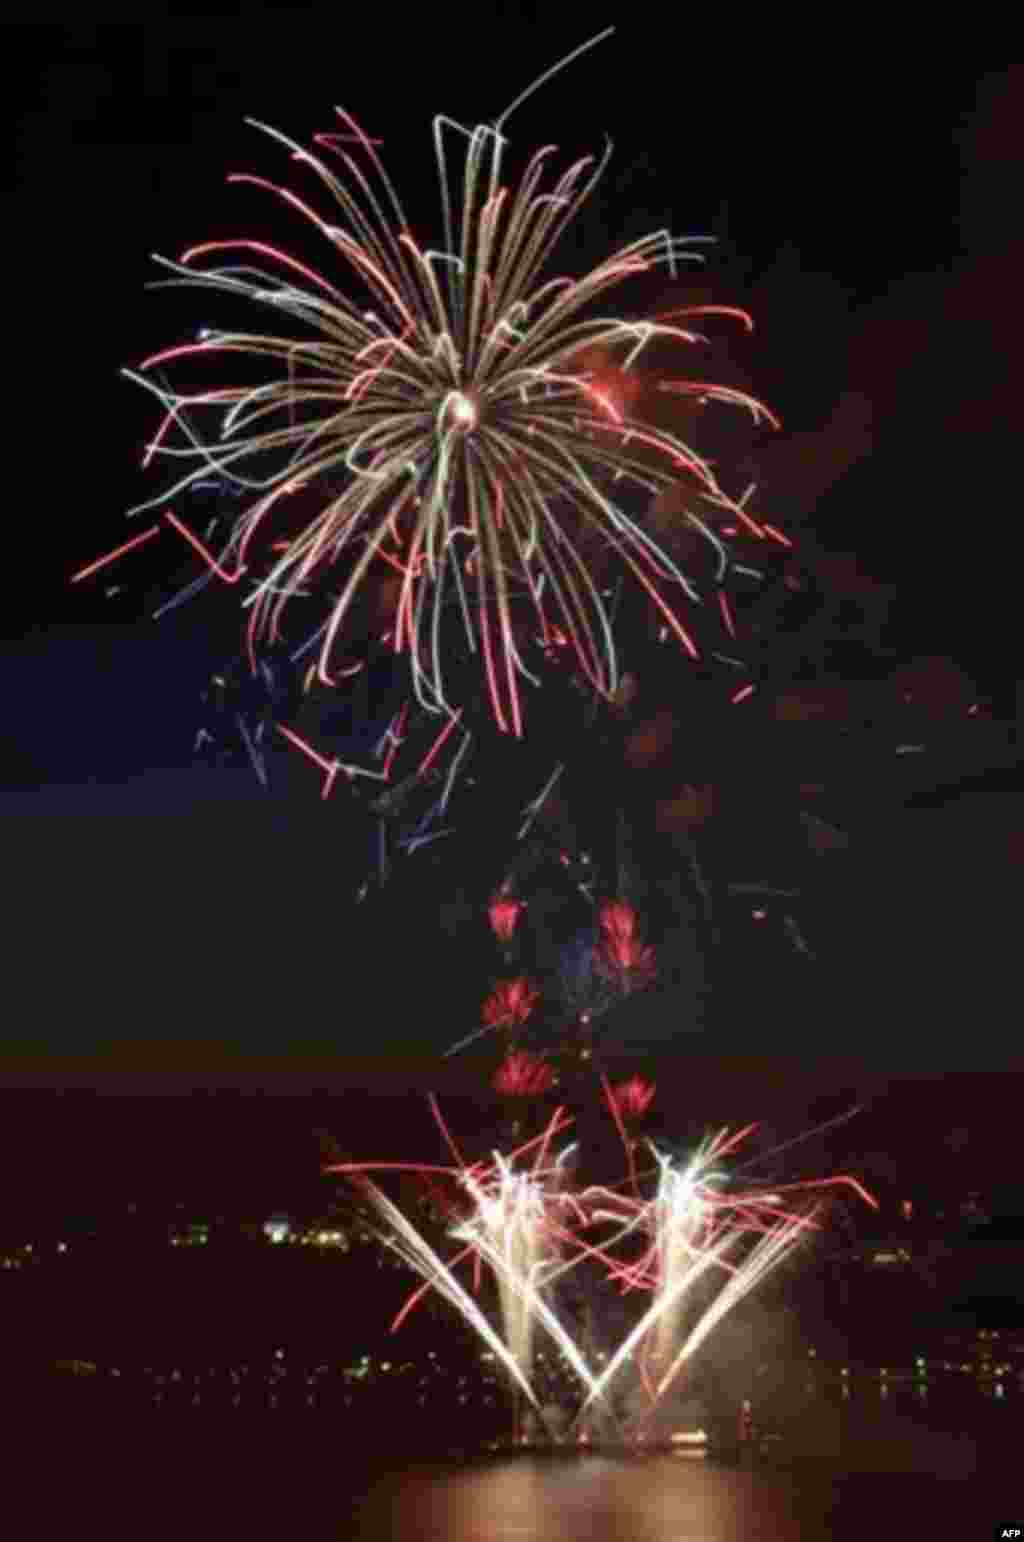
{"type": "Point", "coordinates": [584, 989]}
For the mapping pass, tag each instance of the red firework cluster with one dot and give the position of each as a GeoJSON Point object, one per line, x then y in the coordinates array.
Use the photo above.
{"type": "Point", "coordinates": [620, 961]}
{"type": "Point", "coordinates": [522, 1075]}
{"type": "Point", "coordinates": [632, 1098]}
{"type": "Point", "coordinates": [510, 1003]}
{"type": "Point", "coordinates": [620, 952]}
{"type": "Point", "coordinates": [504, 912]}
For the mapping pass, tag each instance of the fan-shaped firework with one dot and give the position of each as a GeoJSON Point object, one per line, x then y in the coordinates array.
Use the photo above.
{"type": "Point", "coordinates": [442, 409]}
{"type": "Point", "coordinates": [705, 1242]}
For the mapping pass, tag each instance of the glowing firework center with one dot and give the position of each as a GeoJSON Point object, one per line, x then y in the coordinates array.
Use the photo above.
{"type": "Point", "coordinates": [461, 412]}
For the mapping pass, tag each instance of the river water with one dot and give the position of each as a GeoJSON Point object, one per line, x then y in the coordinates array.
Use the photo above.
{"type": "Point", "coordinates": [862, 1473]}
{"type": "Point", "coordinates": [669, 1498]}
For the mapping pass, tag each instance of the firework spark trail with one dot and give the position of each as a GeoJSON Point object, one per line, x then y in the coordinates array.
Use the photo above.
{"type": "Point", "coordinates": [627, 1144]}
{"type": "Point", "coordinates": [512, 1230]}
{"type": "Point", "coordinates": [446, 402]}
{"type": "Point", "coordinates": [680, 1220]}
{"type": "Point", "coordinates": [667, 1299]}
{"type": "Point", "coordinates": [765, 1256]}
{"type": "Point", "coordinates": [695, 1229]}
{"type": "Point", "coordinates": [411, 1246]}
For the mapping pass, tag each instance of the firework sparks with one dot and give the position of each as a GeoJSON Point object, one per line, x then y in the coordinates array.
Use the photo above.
{"type": "Point", "coordinates": [510, 1003]}
{"type": "Point", "coordinates": [405, 1240]}
{"type": "Point", "coordinates": [443, 406]}
{"type": "Point", "coordinates": [523, 1075]}
{"type": "Point", "coordinates": [503, 913]}
{"type": "Point", "coordinates": [621, 954]}
{"type": "Point", "coordinates": [514, 1227]}
{"type": "Point", "coordinates": [516, 1224]}
{"type": "Point", "coordinates": [632, 1098]}
{"type": "Point", "coordinates": [708, 1245]}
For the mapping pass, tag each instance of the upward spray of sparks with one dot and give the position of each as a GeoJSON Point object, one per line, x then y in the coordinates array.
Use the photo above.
{"type": "Point", "coordinates": [518, 1226]}
{"type": "Point", "coordinates": [701, 1234]}
{"type": "Point", "coordinates": [519, 1223]}
{"type": "Point", "coordinates": [708, 1244]}
{"type": "Point", "coordinates": [508, 1227]}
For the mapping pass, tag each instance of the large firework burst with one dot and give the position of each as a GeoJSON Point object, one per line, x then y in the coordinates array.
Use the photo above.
{"type": "Point", "coordinates": [443, 410]}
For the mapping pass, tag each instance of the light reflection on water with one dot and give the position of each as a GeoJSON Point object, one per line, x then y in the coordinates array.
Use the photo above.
{"type": "Point", "coordinates": [667, 1498]}
{"type": "Point", "coordinates": [840, 1472]}
{"type": "Point", "coordinates": [608, 1500]}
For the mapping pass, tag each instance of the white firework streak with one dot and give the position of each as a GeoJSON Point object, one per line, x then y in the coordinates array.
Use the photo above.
{"type": "Point", "coordinates": [680, 1218]}
{"type": "Point", "coordinates": [681, 1212]}
{"type": "Point", "coordinates": [420, 1256]}
{"type": "Point", "coordinates": [666, 1300]}
{"type": "Point", "coordinates": [766, 1255]}
{"type": "Point", "coordinates": [525, 1262]}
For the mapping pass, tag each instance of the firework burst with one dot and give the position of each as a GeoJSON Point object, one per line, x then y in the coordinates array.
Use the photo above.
{"type": "Point", "coordinates": [439, 414]}
{"type": "Point", "coordinates": [706, 1242]}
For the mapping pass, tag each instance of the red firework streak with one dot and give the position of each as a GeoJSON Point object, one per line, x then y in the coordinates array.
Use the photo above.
{"type": "Point", "coordinates": [629, 1100]}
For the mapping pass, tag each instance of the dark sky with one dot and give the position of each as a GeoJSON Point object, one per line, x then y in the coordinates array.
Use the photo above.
{"type": "Point", "coordinates": [866, 205]}
{"type": "Point", "coordinates": [88, 1150]}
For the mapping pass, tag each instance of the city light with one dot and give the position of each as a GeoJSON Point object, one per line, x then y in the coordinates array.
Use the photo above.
{"type": "Point", "coordinates": [460, 1383]}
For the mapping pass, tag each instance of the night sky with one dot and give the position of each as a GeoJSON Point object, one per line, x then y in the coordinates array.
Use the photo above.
{"type": "Point", "coordinates": [867, 207]}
